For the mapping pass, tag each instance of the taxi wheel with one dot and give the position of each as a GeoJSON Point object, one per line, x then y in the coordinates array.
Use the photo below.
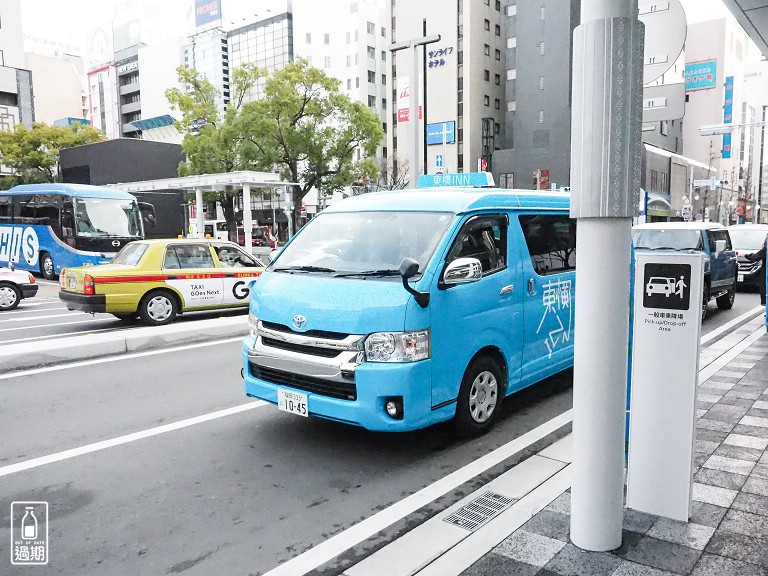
{"type": "Point", "coordinates": [158, 308]}
{"type": "Point", "coordinates": [9, 296]}
{"type": "Point", "coordinates": [480, 396]}
{"type": "Point", "coordinates": [46, 266]}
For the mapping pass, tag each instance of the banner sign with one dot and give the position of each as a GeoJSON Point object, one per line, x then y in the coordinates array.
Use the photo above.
{"type": "Point", "coordinates": [207, 11]}
{"type": "Point", "coordinates": [701, 75]}
{"type": "Point", "coordinates": [728, 115]}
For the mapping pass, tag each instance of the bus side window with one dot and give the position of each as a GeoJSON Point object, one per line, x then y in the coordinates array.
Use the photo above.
{"type": "Point", "coordinates": [6, 209]}
{"type": "Point", "coordinates": [26, 212]}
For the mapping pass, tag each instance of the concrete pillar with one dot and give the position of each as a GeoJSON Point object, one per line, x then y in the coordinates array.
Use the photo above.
{"type": "Point", "coordinates": [199, 213]}
{"type": "Point", "coordinates": [247, 219]}
{"type": "Point", "coordinates": [605, 185]}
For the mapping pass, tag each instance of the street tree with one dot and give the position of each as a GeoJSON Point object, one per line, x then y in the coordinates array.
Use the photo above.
{"type": "Point", "coordinates": [314, 135]}
{"type": "Point", "coordinates": [393, 175]}
{"type": "Point", "coordinates": [213, 142]}
{"type": "Point", "coordinates": [33, 153]}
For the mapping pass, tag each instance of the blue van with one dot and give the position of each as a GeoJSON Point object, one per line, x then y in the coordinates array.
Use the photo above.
{"type": "Point", "coordinates": [397, 310]}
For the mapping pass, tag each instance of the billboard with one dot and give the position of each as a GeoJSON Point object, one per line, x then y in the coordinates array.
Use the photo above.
{"type": "Point", "coordinates": [99, 49]}
{"type": "Point", "coordinates": [404, 100]}
{"type": "Point", "coordinates": [728, 115]}
{"type": "Point", "coordinates": [701, 75]}
{"type": "Point", "coordinates": [435, 132]}
{"type": "Point", "coordinates": [207, 11]}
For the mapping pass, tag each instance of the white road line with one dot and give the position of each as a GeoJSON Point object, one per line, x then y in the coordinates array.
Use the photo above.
{"type": "Point", "coordinates": [725, 327]}
{"type": "Point", "coordinates": [66, 315]}
{"type": "Point", "coordinates": [716, 365]}
{"type": "Point", "coordinates": [322, 553]}
{"type": "Point", "coordinates": [74, 452]}
{"type": "Point", "coordinates": [57, 324]}
{"type": "Point", "coordinates": [60, 336]}
{"type": "Point", "coordinates": [121, 357]}
{"type": "Point", "coordinates": [23, 310]}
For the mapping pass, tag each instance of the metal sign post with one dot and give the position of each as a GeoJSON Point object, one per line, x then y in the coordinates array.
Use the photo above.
{"type": "Point", "coordinates": [665, 368]}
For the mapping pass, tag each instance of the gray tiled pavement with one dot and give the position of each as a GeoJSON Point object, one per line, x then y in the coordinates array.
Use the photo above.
{"type": "Point", "coordinates": [727, 534]}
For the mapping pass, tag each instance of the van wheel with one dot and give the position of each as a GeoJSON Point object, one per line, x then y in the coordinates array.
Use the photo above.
{"type": "Point", "coordinates": [10, 296]}
{"type": "Point", "coordinates": [46, 266]}
{"type": "Point", "coordinates": [158, 308]}
{"type": "Point", "coordinates": [480, 396]}
{"type": "Point", "coordinates": [725, 302]}
{"type": "Point", "coordinates": [705, 301]}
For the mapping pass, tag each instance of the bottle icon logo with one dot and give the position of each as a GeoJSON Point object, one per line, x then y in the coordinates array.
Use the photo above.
{"type": "Point", "coordinates": [29, 524]}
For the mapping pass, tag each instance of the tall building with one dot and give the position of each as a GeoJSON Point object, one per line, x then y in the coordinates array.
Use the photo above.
{"type": "Point", "coordinates": [537, 143]}
{"type": "Point", "coordinates": [16, 95]}
{"type": "Point", "coordinates": [207, 51]}
{"type": "Point", "coordinates": [59, 87]}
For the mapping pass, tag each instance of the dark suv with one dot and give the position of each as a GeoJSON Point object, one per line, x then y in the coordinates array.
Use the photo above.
{"type": "Point", "coordinates": [748, 238]}
{"type": "Point", "coordinates": [708, 237]}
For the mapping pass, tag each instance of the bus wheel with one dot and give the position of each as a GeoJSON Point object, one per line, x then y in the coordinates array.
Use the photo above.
{"type": "Point", "coordinates": [46, 266]}
{"type": "Point", "coordinates": [9, 296]}
{"type": "Point", "coordinates": [480, 396]}
{"type": "Point", "coordinates": [158, 308]}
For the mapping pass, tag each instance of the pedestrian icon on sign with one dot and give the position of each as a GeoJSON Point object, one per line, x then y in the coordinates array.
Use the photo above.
{"type": "Point", "coordinates": [681, 286]}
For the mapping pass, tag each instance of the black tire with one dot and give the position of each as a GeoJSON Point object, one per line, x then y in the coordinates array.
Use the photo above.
{"type": "Point", "coordinates": [480, 397]}
{"type": "Point", "coordinates": [725, 302]}
{"type": "Point", "coordinates": [46, 266]}
{"type": "Point", "coordinates": [704, 303]}
{"type": "Point", "coordinates": [10, 296]}
{"type": "Point", "coordinates": [158, 308]}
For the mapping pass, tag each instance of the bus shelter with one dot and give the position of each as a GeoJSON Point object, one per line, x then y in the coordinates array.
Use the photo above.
{"type": "Point", "coordinates": [242, 181]}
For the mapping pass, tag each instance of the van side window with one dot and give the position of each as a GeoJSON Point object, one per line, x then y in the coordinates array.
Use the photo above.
{"type": "Point", "coordinates": [484, 238]}
{"type": "Point", "coordinates": [715, 235]}
{"type": "Point", "coordinates": [551, 240]}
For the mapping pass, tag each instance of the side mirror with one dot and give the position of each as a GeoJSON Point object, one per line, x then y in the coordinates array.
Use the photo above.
{"type": "Point", "coordinates": [720, 245]}
{"type": "Point", "coordinates": [273, 255]}
{"type": "Point", "coordinates": [463, 271]}
{"type": "Point", "coordinates": [148, 213]}
{"type": "Point", "coordinates": [408, 269]}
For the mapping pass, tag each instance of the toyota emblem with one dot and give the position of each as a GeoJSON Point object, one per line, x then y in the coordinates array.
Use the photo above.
{"type": "Point", "coordinates": [115, 243]}
{"type": "Point", "coordinates": [299, 321]}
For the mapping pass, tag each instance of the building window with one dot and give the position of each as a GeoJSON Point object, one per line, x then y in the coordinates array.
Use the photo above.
{"type": "Point", "coordinates": [541, 48]}
{"type": "Point", "coordinates": [541, 82]}
{"type": "Point", "coordinates": [541, 116]}
{"type": "Point", "coordinates": [371, 52]}
{"type": "Point", "coordinates": [327, 39]}
{"type": "Point", "coordinates": [541, 13]}
{"type": "Point", "coordinates": [384, 125]}
{"type": "Point", "coordinates": [498, 5]}
{"type": "Point", "coordinates": [371, 27]}
{"type": "Point", "coordinates": [496, 128]}
{"type": "Point", "coordinates": [383, 56]}
{"type": "Point", "coordinates": [357, 82]}
{"type": "Point", "coordinates": [487, 2]}
{"type": "Point", "coordinates": [349, 83]}
{"type": "Point", "coordinates": [348, 37]}
{"type": "Point", "coordinates": [664, 128]}
{"type": "Point", "coordinates": [664, 183]}
{"type": "Point", "coordinates": [384, 107]}
{"type": "Point", "coordinates": [487, 75]}
{"type": "Point", "coordinates": [654, 181]}
{"type": "Point", "coordinates": [497, 104]}
{"type": "Point", "coordinates": [512, 74]}
{"type": "Point", "coordinates": [371, 76]}
{"type": "Point", "coordinates": [512, 42]}
{"type": "Point", "coordinates": [497, 79]}
{"type": "Point", "coordinates": [349, 60]}
{"type": "Point", "coordinates": [487, 100]}
{"type": "Point", "coordinates": [497, 30]}
{"type": "Point", "coordinates": [497, 54]}
{"type": "Point", "coordinates": [356, 60]}
{"type": "Point", "coordinates": [327, 62]}
{"type": "Point", "coordinates": [512, 106]}
{"type": "Point", "coordinates": [384, 79]}
{"type": "Point", "coordinates": [487, 24]}
{"type": "Point", "coordinates": [383, 32]}
{"type": "Point", "coordinates": [371, 101]}
{"type": "Point", "coordinates": [309, 38]}
{"type": "Point", "coordinates": [487, 50]}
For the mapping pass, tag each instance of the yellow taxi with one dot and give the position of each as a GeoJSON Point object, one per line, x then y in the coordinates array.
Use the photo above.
{"type": "Point", "coordinates": [158, 279]}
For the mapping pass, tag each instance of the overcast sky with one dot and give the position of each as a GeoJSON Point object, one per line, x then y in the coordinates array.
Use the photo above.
{"type": "Point", "coordinates": [68, 21]}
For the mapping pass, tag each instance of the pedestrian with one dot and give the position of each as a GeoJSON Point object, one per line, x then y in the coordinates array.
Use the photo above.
{"type": "Point", "coordinates": [755, 257]}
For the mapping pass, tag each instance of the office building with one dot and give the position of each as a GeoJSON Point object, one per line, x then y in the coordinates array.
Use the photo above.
{"type": "Point", "coordinates": [16, 94]}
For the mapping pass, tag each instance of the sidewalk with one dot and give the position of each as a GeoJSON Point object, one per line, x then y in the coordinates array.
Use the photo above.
{"type": "Point", "coordinates": [519, 523]}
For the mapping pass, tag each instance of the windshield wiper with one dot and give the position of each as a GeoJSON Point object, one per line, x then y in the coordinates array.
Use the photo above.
{"type": "Point", "coordinates": [384, 272]}
{"type": "Point", "coordinates": [304, 269]}
{"type": "Point", "coordinates": [660, 248]}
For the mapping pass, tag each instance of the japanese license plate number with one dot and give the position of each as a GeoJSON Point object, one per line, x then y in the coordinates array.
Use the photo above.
{"type": "Point", "coordinates": [740, 278]}
{"type": "Point", "coordinates": [293, 402]}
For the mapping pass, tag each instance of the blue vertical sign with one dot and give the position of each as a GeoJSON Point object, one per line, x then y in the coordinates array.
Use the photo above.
{"type": "Point", "coordinates": [728, 115]}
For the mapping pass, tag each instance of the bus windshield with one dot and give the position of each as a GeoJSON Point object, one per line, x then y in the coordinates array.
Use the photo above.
{"type": "Point", "coordinates": [106, 217]}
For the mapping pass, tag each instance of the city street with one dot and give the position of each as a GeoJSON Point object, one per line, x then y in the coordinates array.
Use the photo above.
{"type": "Point", "coordinates": [170, 468]}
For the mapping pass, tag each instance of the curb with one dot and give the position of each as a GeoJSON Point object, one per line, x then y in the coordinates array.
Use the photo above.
{"type": "Point", "coordinates": [23, 356]}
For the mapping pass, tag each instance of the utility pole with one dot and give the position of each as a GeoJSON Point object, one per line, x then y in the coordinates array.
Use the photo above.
{"type": "Point", "coordinates": [606, 122]}
{"type": "Point", "coordinates": [413, 115]}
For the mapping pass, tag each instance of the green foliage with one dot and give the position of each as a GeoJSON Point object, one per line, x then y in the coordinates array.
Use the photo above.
{"type": "Point", "coordinates": [302, 126]}
{"type": "Point", "coordinates": [33, 154]}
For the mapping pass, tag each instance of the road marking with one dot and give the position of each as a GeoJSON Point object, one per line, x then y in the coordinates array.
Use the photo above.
{"type": "Point", "coordinates": [117, 358]}
{"type": "Point", "coordinates": [67, 315]}
{"type": "Point", "coordinates": [22, 310]}
{"type": "Point", "coordinates": [74, 452]}
{"type": "Point", "coordinates": [717, 364]}
{"type": "Point", "coordinates": [725, 327]}
{"type": "Point", "coordinates": [329, 549]}
{"type": "Point", "coordinates": [57, 324]}
{"type": "Point", "coordinates": [59, 336]}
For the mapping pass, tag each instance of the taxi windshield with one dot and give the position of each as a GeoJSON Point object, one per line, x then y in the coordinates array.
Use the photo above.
{"type": "Point", "coordinates": [360, 242]}
{"type": "Point", "coordinates": [107, 217]}
{"type": "Point", "coordinates": [130, 254]}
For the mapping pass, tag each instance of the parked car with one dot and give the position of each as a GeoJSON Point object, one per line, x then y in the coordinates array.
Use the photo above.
{"type": "Point", "coordinates": [259, 236]}
{"type": "Point", "coordinates": [158, 279]}
{"type": "Point", "coordinates": [15, 285]}
{"type": "Point", "coordinates": [747, 238]}
{"type": "Point", "coordinates": [711, 239]}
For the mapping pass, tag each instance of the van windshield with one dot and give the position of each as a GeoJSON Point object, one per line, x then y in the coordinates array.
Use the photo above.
{"type": "Point", "coordinates": [362, 242]}
{"type": "Point", "coordinates": [667, 238]}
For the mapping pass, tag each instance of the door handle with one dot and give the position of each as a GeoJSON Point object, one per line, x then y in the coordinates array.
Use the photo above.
{"type": "Point", "coordinates": [531, 286]}
{"type": "Point", "coordinates": [507, 290]}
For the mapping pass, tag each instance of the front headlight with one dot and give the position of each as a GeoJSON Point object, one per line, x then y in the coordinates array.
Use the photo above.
{"type": "Point", "coordinates": [253, 323]}
{"type": "Point", "coordinates": [398, 346]}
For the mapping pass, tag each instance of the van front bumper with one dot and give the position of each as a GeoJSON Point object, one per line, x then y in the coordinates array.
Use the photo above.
{"type": "Point", "coordinates": [84, 302]}
{"type": "Point", "coordinates": [367, 392]}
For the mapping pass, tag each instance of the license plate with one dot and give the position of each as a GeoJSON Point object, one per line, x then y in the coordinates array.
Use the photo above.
{"type": "Point", "coordinates": [740, 278]}
{"type": "Point", "coordinates": [72, 282]}
{"type": "Point", "coordinates": [293, 402]}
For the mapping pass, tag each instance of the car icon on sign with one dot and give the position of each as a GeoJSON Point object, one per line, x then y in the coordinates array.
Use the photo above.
{"type": "Point", "coordinates": [659, 285]}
